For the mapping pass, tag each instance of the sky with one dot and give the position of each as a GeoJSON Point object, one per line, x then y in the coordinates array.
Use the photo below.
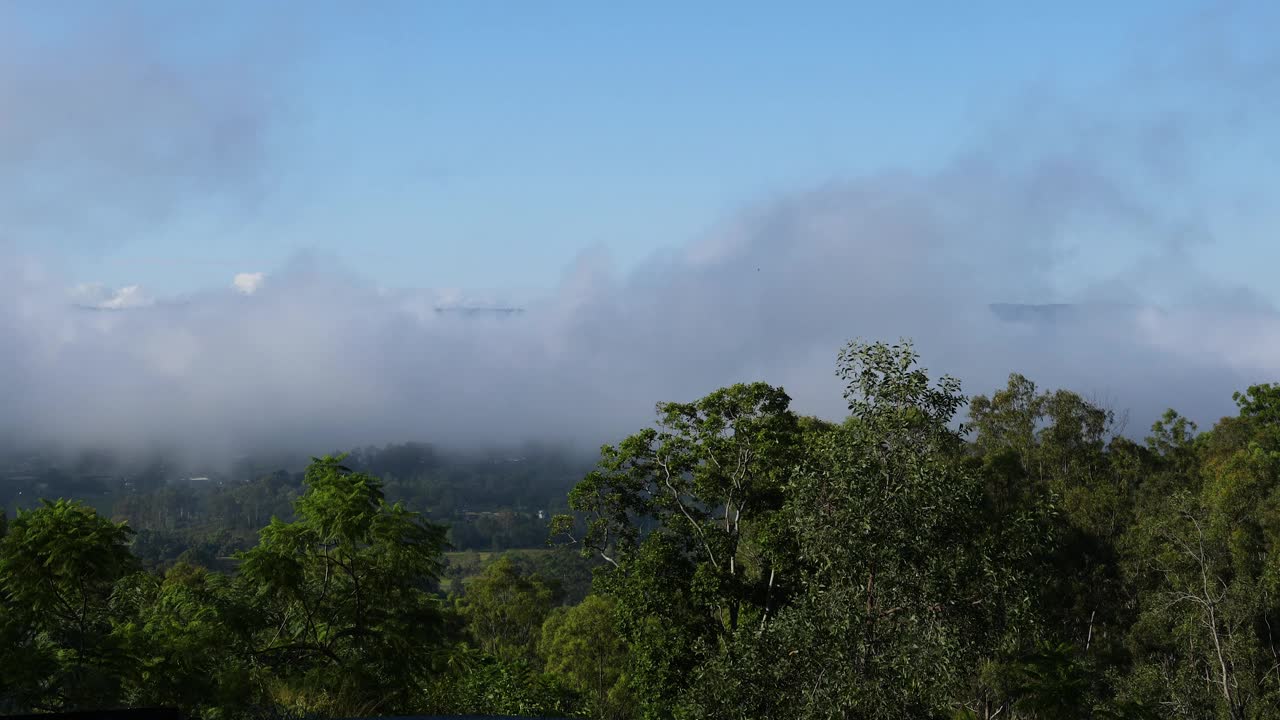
{"type": "Point", "coordinates": [680, 197]}
{"type": "Point", "coordinates": [484, 144]}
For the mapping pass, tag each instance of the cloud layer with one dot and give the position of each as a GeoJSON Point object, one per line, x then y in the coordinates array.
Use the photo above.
{"type": "Point", "coordinates": [318, 358]}
{"type": "Point", "coordinates": [1061, 202]}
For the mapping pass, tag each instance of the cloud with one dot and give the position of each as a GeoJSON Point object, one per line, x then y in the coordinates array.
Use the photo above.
{"type": "Point", "coordinates": [100, 297]}
{"type": "Point", "coordinates": [248, 283]}
{"type": "Point", "coordinates": [104, 137]}
{"type": "Point", "coordinates": [320, 358]}
{"type": "Point", "coordinates": [1037, 210]}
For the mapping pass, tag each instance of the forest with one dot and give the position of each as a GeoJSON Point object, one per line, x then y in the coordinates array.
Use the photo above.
{"type": "Point", "coordinates": [490, 499]}
{"type": "Point", "coordinates": [931, 556]}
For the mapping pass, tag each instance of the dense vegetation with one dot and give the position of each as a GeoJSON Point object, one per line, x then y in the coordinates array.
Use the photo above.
{"type": "Point", "coordinates": [491, 501]}
{"type": "Point", "coordinates": [748, 563]}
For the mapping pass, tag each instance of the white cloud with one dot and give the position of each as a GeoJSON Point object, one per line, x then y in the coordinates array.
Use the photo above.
{"type": "Point", "coordinates": [248, 283]}
{"type": "Point", "coordinates": [127, 297]}
{"type": "Point", "coordinates": [96, 295]}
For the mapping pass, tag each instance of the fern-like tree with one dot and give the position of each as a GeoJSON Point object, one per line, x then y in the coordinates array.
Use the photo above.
{"type": "Point", "coordinates": [349, 619]}
{"type": "Point", "coordinates": [59, 567]}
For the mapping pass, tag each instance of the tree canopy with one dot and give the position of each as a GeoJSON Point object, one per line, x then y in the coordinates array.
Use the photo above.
{"type": "Point", "coordinates": [932, 555]}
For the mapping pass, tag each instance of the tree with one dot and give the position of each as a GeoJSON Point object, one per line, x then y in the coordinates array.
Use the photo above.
{"type": "Point", "coordinates": [582, 645]}
{"type": "Point", "coordinates": [190, 632]}
{"type": "Point", "coordinates": [59, 567]}
{"type": "Point", "coordinates": [505, 609]}
{"type": "Point", "coordinates": [478, 684]}
{"type": "Point", "coordinates": [1058, 447]}
{"type": "Point", "coordinates": [687, 515]}
{"type": "Point", "coordinates": [345, 593]}
{"type": "Point", "coordinates": [1206, 558]}
{"type": "Point", "coordinates": [901, 593]}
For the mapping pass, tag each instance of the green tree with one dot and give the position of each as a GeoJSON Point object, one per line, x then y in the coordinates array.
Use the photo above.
{"type": "Point", "coordinates": [902, 592]}
{"type": "Point", "coordinates": [504, 610]}
{"type": "Point", "coordinates": [1058, 447]}
{"type": "Point", "coordinates": [59, 567]}
{"type": "Point", "coordinates": [1206, 561]}
{"type": "Point", "coordinates": [582, 645]}
{"type": "Point", "coordinates": [478, 684]}
{"type": "Point", "coordinates": [345, 594]}
{"type": "Point", "coordinates": [687, 516]}
{"type": "Point", "coordinates": [191, 634]}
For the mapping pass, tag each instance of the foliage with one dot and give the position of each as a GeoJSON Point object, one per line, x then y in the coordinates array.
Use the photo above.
{"type": "Point", "coordinates": [345, 591]}
{"type": "Point", "coordinates": [487, 686]}
{"type": "Point", "coordinates": [1207, 559]}
{"type": "Point", "coordinates": [187, 631]}
{"type": "Point", "coordinates": [899, 587]}
{"type": "Point", "coordinates": [59, 568]}
{"type": "Point", "coordinates": [738, 561]}
{"type": "Point", "coordinates": [582, 645]}
{"type": "Point", "coordinates": [504, 610]}
{"type": "Point", "coordinates": [708, 481]}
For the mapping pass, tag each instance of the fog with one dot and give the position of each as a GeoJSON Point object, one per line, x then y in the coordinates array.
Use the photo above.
{"type": "Point", "coordinates": [1059, 201]}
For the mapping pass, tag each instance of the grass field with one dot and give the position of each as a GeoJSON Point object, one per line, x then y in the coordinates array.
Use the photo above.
{"type": "Point", "coordinates": [487, 555]}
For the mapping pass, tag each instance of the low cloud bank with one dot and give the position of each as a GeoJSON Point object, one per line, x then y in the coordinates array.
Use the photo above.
{"type": "Point", "coordinates": [316, 357]}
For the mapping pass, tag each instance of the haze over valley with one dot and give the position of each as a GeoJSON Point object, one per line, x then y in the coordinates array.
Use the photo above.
{"type": "Point", "coordinates": [672, 361]}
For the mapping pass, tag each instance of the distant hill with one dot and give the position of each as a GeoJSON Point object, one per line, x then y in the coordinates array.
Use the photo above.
{"type": "Point", "coordinates": [464, 310]}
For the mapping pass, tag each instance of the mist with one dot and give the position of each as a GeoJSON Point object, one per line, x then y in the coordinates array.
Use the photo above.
{"type": "Point", "coordinates": [1058, 202]}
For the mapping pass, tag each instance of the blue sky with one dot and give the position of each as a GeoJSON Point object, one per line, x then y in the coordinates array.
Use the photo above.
{"type": "Point", "coordinates": [484, 144]}
{"type": "Point", "coordinates": [822, 170]}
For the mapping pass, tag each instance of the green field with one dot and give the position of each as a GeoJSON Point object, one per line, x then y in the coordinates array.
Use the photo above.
{"type": "Point", "coordinates": [487, 555]}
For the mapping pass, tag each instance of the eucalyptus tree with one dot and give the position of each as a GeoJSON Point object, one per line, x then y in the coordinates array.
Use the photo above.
{"type": "Point", "coordinates": [904, 591]}
{"type": "Point", "coordinates": [688, 517]}
{"type": "Point", "coordinates": [1207, 560]}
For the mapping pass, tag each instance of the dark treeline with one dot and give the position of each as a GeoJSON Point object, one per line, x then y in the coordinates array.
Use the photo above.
{"type": "Point", "coordinates": [493, 500]}
{"type": "Point", "coordinates": [747, 562]}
